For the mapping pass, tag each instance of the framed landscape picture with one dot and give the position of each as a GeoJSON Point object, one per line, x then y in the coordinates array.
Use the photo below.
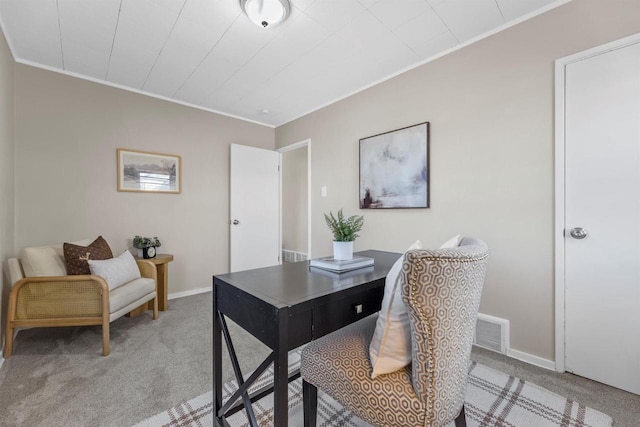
{"type": "Point", "coordinates": [148, 172]}
{"type": "Point", "coordinates": [394, 169]}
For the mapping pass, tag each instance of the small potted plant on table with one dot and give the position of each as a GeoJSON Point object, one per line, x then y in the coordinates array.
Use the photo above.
{"type": "Point", "coordinates": [344, 233]}
{"type": "Point", "coordinates": [146, 246]}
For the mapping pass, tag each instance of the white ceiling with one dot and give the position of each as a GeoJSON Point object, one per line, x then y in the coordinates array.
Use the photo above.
{"type": "Point", "coordinates": [208, 54]}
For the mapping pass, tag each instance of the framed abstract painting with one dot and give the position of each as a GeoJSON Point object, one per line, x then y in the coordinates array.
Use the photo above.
{"type": "Point", "coordinates": [394, 169]}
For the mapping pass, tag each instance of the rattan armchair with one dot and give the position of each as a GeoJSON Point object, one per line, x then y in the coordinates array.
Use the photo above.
{"type": "Point", "coordinates": [80, 300]}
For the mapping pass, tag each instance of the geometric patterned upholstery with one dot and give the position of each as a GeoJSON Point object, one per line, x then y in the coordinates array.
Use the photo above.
{"type": "Point", "coordinates": [339, 365]}
{"type": "Point", "coordinates": [442, 290]}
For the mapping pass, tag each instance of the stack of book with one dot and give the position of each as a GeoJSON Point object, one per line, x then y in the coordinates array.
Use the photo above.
{"type": "Point", "coordinates": [342, 274]}
{"type": "Point", "coordinates": [340, 265]}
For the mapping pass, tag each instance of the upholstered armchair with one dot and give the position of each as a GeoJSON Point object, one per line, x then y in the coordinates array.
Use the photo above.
{"type": "Point", "coordinates": [43, 295]}
{"type": "Point", "coordinates": [441, 290]}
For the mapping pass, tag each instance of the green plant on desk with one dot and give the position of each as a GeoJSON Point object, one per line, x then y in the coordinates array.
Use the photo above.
{"type": "Point", "coordinates": [344, 229]}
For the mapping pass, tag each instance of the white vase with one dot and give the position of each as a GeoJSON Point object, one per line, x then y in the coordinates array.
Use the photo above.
{"type": "Point", "coordinates": [342, 250]}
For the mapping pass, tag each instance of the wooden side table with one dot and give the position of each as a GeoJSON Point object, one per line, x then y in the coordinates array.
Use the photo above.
{"type": "Point", "coordinates": [161, 262]}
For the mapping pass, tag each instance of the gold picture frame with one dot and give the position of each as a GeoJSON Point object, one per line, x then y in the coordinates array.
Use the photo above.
{"type": "Point", "coordinates": [145, 171]}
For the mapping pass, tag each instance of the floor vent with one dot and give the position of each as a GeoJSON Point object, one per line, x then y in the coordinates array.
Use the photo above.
{"type": "Point", "coordinates": [293, 256]}
{"type": "Point", "coordinates": [492, 333]}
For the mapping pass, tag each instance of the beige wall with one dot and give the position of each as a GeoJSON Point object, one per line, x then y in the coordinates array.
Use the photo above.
{"type": "Point", "coordinates": [491, 110]}
{"type": "Point", "coordinates": [67, 132]}
{"type": "Point", "coordinates": [6, 169]}
{"type": "Point", "coordinates": [294, 200]}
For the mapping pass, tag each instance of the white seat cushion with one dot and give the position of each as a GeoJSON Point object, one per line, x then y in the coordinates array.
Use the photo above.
{"type": "Point", "coordinates": [390, 348]}
{"type": "Point", "coordinates": [132, 291]}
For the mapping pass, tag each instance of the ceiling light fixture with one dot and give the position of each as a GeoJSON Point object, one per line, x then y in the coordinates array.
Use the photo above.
{"type": "Point", "coordinates": [266, 13]}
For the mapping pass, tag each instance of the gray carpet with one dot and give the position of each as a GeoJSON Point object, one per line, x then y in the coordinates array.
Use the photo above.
{"type": "Point", "coordinates": [57, 376]}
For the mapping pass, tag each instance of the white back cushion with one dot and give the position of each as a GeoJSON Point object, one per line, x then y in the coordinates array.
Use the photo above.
{"type": "Point", "coordinates": [46, 260]}
{"type": "Point", "coordinates": [390, 347]}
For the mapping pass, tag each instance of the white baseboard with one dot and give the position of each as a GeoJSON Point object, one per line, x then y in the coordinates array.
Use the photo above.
{"type": "Point", "coordinates": [531, 359]}
{"type": "Point", "coordinates": [191, 292]}
{"type": "Point", "coordinates": [515, 354]}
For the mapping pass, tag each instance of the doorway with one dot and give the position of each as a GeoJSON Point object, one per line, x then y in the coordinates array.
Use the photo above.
{"type": "Point", "coordinates": [598, 214]}
{"type": "Point", "coordinates": [296, 201]}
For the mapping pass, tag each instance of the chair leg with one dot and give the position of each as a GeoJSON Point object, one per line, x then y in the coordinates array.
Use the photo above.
{"type": "Point", "coordinates": [11, 315]}
{"type": "Point", "coordinates": [8, 341]}
{"type": "Point", "coordinates": [310, 402]}
{"type": "Point", "coordinates": [105, 338]}
{"type": "Point", "coordinates": [155, 308]}
{"type": "Point", "coordinates": [461, 419]}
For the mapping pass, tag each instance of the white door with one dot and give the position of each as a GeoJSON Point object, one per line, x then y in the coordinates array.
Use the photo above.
{"type": "Point", "coordinates": [254, 208]}
{"type": "Point", "coordinates": [602, 196]}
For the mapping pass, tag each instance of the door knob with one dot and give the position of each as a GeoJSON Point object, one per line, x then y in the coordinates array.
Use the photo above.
{"type": "Point", "coordinates": [578, 233]}
{"type": "Point", "coordinates": [236, 222]}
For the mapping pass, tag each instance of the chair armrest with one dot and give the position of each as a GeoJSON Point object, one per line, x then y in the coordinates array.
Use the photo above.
{"type": "Point", "coordinates": [58, 297]}
{"type": "Point", "coordinates": [14, 270]}
{"type": "Point", "coordinates": [147, 269]}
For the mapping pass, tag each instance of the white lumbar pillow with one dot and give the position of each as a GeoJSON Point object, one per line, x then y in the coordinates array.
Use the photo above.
{"type": "Point", "coordinates": [453, 242]}
{"type": "Point", "coordinates": [390, 348]}
{"type": "Point", "coordinates": [116, 271]}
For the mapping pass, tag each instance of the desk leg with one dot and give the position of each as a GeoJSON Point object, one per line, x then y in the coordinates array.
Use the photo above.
{"type": "Point", "coordinates": [280, 372]}
{"type": "Point", "coordinates": [239, 377]}
{"type": "Point", "coordinates": [217, 360]}
{"type": "Point", "coordinates": [163, 280]}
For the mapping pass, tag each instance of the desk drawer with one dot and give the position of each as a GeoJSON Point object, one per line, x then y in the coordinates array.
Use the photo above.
{"type": "Point", "coordinates": [342, 312]}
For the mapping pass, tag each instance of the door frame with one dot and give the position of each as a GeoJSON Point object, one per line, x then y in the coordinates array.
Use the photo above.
{"type": "Point", "coordinates": [295, 146]}
{"type": "Point", "coordinates": [559, 226]}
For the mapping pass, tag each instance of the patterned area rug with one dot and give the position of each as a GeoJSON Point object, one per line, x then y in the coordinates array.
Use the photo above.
{"type": "Point", "coordinates": [493, 399]}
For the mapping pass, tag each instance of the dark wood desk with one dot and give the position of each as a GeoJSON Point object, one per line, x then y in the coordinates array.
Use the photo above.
{"type": "Point", "coordinates": [286, 306]}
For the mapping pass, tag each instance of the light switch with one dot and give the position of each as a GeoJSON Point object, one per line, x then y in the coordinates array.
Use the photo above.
{"type": "Point", "coordinates": [323, 191]}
